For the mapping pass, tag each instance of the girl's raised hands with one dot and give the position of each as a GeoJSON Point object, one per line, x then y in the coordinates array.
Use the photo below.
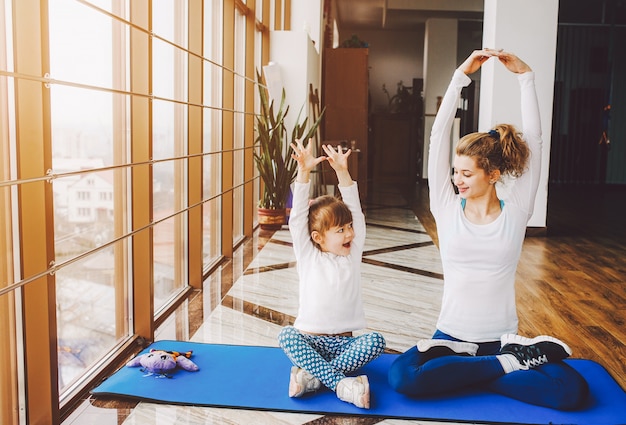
{"type": "Point", "coordinates": [337, 158]}
{"type": "Point", "coordinates": [304, 155]}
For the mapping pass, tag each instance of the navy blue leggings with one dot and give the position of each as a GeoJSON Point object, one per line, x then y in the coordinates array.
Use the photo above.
{"type": "Point", "coordinates": [555, 385]}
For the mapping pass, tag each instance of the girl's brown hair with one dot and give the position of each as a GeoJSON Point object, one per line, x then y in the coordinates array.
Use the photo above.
{"type": "Point", "coordinates": [499, 149]}
{"type": "Point", "coordinates": [326, 212]}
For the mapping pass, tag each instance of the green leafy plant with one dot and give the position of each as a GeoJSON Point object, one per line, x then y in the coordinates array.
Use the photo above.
{"type": "Point", "coordinates": [272, 153]}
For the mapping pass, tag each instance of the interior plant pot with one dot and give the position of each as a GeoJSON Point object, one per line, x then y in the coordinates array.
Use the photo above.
{"type": "Point", "coordinates": [272, 156]}
{"type": "Point", "coordinates": [271, 218]}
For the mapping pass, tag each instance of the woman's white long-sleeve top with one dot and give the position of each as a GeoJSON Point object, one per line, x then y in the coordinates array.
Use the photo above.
{"type": "Point", "coordinates": [480, 261]}
{"type": "Point", "coordinates": [329, 285]}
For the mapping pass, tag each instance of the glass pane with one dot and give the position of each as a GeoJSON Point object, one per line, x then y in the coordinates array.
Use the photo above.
{"type": "Point", "coordinates": [239, 121]}
{"type": "Point", "coordinates": [92, 293]}
{"type": "Point", "coordinates": [82, 138]}
{"type": "Point", "coordinates": [176, 326]}
{"type": "Point", "coordinates": [211, 186]}
{"type": "Point", "coordinates": [169, 132]}
{"type": "Point", "coordinates": [170, 62]}
{"type": "Point", "coordinates": [9, 312]}
{"type": "Point", "coordinates": [170, 235]}
{"type": "Point", "coordinates": [90, 204]}
{"type": "Point", "coordinates": [169, 19]}
{"type": "Point", "coordinates": [112, 6]}
{"type": "Point", "coordinates": [212, 137]}
{"type": "Point", "coordinates": [90, 298]}
{"type": "Point", "coordinates": [211, 213]}
{"type": "Point", "coordinates": [213, 30]}
{"type": "Point", "coordinates": [80, 52]}
{"type": "Point", "coordinates": [169, 125]}
{"type": "Point", "coordinates": [169, 260]}
{"type": "Point", "coordinates": [169, 71]}
{"type": "Point", "coordinates": [85, 211]}
{"type": "Point", "coordinates": [169, 197]}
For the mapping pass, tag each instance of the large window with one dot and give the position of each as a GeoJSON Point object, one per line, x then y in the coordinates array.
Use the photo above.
{"type": "Point", "coordinates": [169, 147]}
{"type": "Point", "coordinates": [212, 131]}
{"type": "Point", "coordinates": [239, 121]}
{"type": "Point", "coordinates": [89, 119]}
{"type": "Point", "coordinates": [8, 314]}
{"type": "Point", "coordinates": [124, 149]}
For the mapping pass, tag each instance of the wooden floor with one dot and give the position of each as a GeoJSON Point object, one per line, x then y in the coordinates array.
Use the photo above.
{"type": "Point", "coordinates": [572, 282]}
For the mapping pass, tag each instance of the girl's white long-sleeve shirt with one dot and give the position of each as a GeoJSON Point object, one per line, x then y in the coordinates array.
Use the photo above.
{"type": "Point", "coordinates": [480, 261]}
{"type": "Point", "coordinates": [329, 285]}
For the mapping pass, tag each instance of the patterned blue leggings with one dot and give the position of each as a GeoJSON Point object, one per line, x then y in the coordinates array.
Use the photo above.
{"type": "Point", "coordinates": [330, 358]}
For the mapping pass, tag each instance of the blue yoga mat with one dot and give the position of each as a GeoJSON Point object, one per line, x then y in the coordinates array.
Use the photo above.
{"type": "Point", "coordinates": [253, 377]}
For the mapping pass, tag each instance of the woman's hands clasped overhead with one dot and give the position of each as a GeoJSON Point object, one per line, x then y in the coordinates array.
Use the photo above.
{"type": "Point", "coordinates": [478, 57]}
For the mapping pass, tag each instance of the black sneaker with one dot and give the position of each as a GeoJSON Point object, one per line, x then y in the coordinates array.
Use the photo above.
{"type": "Point", "coordinates": [536, 351]}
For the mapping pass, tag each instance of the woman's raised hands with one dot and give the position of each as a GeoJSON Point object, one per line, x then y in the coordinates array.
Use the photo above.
{"type": "Point", "coordinates": [478, 57]}
{"type": "Point", "coordinates": [513, 63]}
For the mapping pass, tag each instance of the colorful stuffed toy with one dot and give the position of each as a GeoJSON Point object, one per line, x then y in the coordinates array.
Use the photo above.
{"type": "Point", "coordinates": [160, 362]}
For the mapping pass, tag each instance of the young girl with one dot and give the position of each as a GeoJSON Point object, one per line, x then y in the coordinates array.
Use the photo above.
{"type": "Point", "coordinates": [480, 241]}
{"type": "Point", "coordinates": [328, 238]}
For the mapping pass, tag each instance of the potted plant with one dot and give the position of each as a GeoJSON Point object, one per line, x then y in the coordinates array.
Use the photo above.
{"type": "Point", "coordinates": [272, 156]}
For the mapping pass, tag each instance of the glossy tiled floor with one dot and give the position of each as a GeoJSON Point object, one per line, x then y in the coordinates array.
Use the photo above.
{"type": "Point", "coordinates": [251, 297]}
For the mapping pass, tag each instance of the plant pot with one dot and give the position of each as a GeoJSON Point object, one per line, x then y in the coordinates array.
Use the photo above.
{"type": "Point", "coordinates": [272, 219]}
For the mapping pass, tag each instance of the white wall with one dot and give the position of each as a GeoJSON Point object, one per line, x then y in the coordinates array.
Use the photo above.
{"type": "Point", "coordinates": [295, 55]}
{"type": "Point", "coordinates": [306, 15]}
{"type": "Point", "coordinates": [506, 26]}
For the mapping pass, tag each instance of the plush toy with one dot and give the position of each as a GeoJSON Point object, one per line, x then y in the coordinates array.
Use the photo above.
{"type": "Point", "coordinates": [160, 362]}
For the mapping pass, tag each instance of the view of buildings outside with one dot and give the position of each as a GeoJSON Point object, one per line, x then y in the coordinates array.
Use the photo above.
{"type": "Point", "coordinates": [92, 290]}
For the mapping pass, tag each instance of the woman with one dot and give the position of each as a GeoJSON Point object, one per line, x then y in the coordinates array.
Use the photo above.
{"type": "Point", "coordinates": [480, 238]}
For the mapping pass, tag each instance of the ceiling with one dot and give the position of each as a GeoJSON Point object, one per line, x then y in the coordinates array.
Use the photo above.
{"type": "Point", "coordinates": [403, 15]}
{"type": "Point", "coordinates": [408, 15]}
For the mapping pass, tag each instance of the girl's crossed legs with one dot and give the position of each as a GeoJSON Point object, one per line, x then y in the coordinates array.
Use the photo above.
{"type": "Point", "coordinates": [330, 358]}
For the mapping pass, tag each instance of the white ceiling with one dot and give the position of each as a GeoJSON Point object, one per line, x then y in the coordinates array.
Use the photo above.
{"type": "Point", "coordinates": [400, 15]}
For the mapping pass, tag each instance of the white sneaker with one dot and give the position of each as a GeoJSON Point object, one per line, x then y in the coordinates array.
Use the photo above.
{"type": "Point", "coordinates": [355, 391]}
{"type": "Point", "coordinates": [447, 347]}
{"type": "Point", "coordinates": [302, 382]}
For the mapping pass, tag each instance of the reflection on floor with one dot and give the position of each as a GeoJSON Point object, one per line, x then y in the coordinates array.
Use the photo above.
{"type": "Point", "coordinates": [252, 296]}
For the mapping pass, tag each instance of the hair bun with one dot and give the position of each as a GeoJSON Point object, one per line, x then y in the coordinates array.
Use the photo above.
{"type": "Point", "coordinates": [494, 134]}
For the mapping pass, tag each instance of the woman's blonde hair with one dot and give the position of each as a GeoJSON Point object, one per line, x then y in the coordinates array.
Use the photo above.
{"type": "Point", "coordinates": [502, 148]}
{"type": "Point", "coordinates": [326, 212]}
